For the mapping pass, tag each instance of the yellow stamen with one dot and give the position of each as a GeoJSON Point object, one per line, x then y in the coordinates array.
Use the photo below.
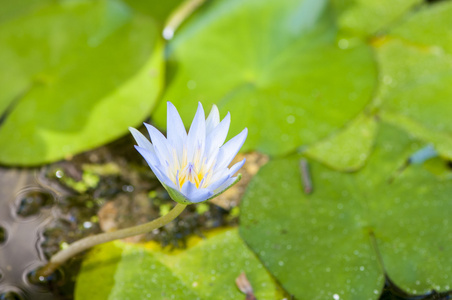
{"type": "Point", "coordinates": [196, 171]}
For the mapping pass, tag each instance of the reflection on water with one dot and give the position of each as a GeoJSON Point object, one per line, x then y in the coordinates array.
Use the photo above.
{"type": "Point", "coordinates": [20, 234]}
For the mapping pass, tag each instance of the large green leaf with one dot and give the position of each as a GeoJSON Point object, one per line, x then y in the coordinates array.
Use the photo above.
{"type": "Point", "coordinates": [205, 271]}
{"type": "Point", "coordinates": [156, 9]}
{"type": "Point", "coordinates": [11, 9]}
{"type": "Point", "coordinates": [416, 71]}
{"type": "Point", "coordinates": [366, 17]}
{"type": "Point", "coordinates": [275, 65]}
{"type": "Point", "coordinates": [75, 75]}
{"type": "Point", "coordinates": [349, 148]}
{"type": "Point", "coordinates": [326, 245]}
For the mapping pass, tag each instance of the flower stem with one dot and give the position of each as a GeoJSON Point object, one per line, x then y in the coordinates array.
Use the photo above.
{"type": "Point", "coordinates": [179, 15]}
{"type": "Point", "coordinates": [59, 258]}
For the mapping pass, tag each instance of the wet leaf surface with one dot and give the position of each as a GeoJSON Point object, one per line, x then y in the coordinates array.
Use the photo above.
{"type": "Point", "coordinates": [206, 270]}
{"type": "Point", "coordinates": [415, 61]}
{"type": "Point", "coordinates": [338, 152]}
{"type": "Point", "coordinates": [328, 244]}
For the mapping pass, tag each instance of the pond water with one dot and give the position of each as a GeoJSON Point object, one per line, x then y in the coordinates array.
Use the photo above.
{"type": "Point", "coordinates": [20, 235]}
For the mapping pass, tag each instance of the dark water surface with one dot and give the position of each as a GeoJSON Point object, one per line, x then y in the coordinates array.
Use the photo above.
{"type": "Point", "coordinates": [21, 235]}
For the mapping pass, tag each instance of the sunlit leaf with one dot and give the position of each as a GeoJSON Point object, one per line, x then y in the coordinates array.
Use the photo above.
{"type": "Point", "coordinates": [348, 149]}
{"type": "Point", "coordinates": [275, 65]}
{"type": "Point", "coordinates": [156, 9]}
{"type": "Point", "coordinates": [11, 9]}
{"type": "Point", "coordinates": [416, 72]}
{"type": "Point", "coordinates": [205, 271]}
{"type": "Point", "coordinates": [326, 245]}
{"type": "Point", "coordinates": [367, 17]}
{"type": "Point", "coordinates": [75, 75]}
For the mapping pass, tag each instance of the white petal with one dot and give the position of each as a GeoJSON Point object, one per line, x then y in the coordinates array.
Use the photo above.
{"type": "Point", "coordinates": [215, 185]}
{"type": "Point", "coordinates": [213, 119]}
{"type": "Point", "coordinates": [160, 145]}
{"type": "Point", "coordinates": [211, 158]}
{"type": "Point", "coordinates": [197, 134]}
{"type": "Point", "coordinates": [229, 150]}
{"type": "Point", "coordinates": [195, 195]}
{"type": "Point", "coordinates": [236, 167]}
{"type": "Point", "coordinates": [175, 133]}
{"type": "Point", "coordinates": [225, 185]}
{"type": "Point", "coordinates": [163, 178]}
{"type": "Point", "coordinates": [148, 155]}
{"type": "Point", "coordinates": [221, 173]}
{"type": "Point", "coordinates": [217, 136]}
{"type": "Point", "coordinates": [155, 166]}
{"type": "Point", "coordinates": [141, 140]}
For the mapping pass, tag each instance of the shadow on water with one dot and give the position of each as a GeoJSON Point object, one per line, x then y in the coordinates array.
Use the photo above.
{"type": "Point", "coordinates": [393, 292]}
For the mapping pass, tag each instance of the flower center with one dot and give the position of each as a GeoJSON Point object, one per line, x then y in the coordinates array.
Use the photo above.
{"type": "Point", "coordinates": [191, 173]}
{"type": "Point", "coordinates": [198, 170]}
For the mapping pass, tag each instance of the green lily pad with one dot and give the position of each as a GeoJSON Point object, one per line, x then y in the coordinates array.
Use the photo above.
{"type": "Point", "coordinates": [10, 9]}
{"type": "Point", "coordinates": [416, 72]}
{"type": "Point", "coordinates": [367, 17]}
{"type": "Point", "coordinates": [275, 65]}
{"type": "Point", "coordinates": [160, 12]}
{"type": "Point", "coordinates": [338, 152]}
{"type": "Point", "coordinates": [328, 244]}
{"type": "Point", "coordinates": [205, 271]}
{"type": "Point", "coordinates": [66, 88]}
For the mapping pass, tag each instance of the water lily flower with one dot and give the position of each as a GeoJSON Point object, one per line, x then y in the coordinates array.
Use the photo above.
{"type": "Point", "coordinates": [192, 167]}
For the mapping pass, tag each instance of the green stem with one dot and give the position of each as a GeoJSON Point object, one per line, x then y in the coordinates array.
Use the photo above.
{"type": "Point", "coordinates": [181, 13]}
{"type": "Point", "coordinates": [59, 258]}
